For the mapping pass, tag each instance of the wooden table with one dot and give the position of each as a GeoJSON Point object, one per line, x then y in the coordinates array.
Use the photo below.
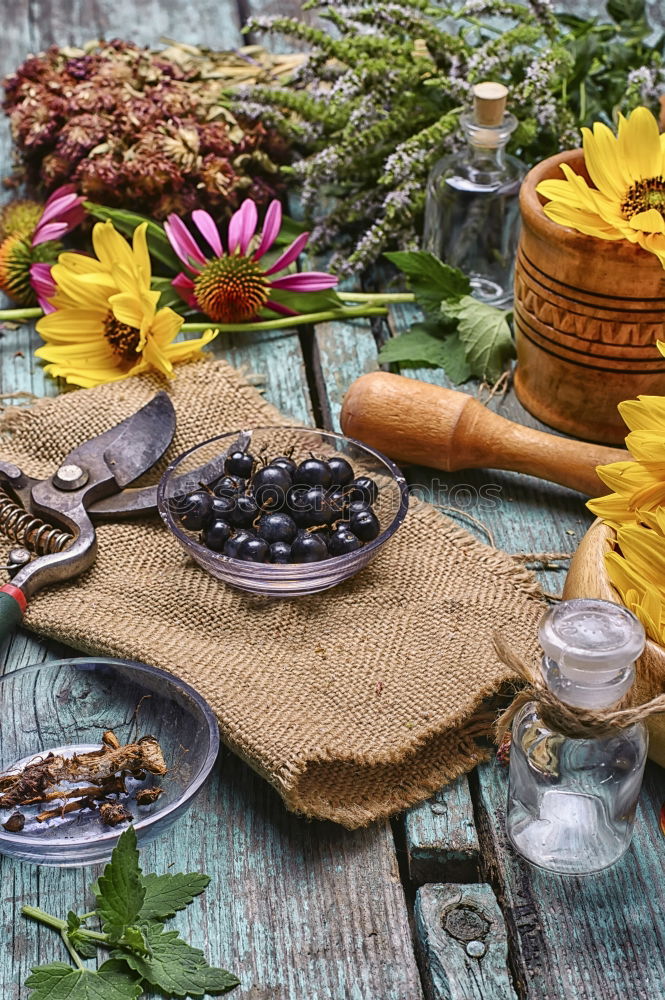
{"type": "Point", "coordinates": [306, 910]}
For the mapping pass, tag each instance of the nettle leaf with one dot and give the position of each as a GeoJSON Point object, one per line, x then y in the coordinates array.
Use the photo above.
{"type": "Point", "coordinates": [165, 894]}
{"type": "Point", "coordinates": [432, 282]}
{"type": "Point", "coordinates": [58, 981]}
{"type": "Point", "coordinates": [174, 967]}
{"type": "Point", "coordinates": [485, 332]}
{"type": "Point", "coordinates": [120, 891]}
{"type": "Point", "coordinates": [83, 945]}
{"type": "Point", "coordinates": [126, 222]}
{"type": "Point", "coordinates": [134, 938]}
{"type": "Point", "coordinates": [418, 346]}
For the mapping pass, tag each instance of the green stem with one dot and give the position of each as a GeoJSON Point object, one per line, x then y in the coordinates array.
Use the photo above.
{"type": "Point", "coordinates": [377, 298]}
{"type": "Point", "coordinates": [72, 951]}
{"type": "Point", "coordinates": [17, 314]}
{"type": "Point", "coordinates": [45, 918]}
{"type": "Point", "coordinates": [94, 935]}
{"type": "Point", "coordinates": [286, 322]}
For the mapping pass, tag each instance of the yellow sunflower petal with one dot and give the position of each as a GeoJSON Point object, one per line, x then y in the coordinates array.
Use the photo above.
{"type": "Point", "coordinates": [645, 413]}
{"type": "Point", "coordinates": [650, 221]}
{"type": "Point", "coordinates": [603, 169]}
{"type": "Point", "coordinates": [165, 326]}
{"type": "Point", "coordinates": [639, 144]}
{"type": "Point", "coordinates": [188, 349]}
{"type": "Point", "coordinates": [111, 248]}
{"type": "Point", "coordinates": [66, 325]}
{"type": "Point", "coordinates": [141, 255]}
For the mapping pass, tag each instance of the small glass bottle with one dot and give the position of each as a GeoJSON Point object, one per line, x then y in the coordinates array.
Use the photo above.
{"type": "Point", "coordinates": [572, 802]}
{"type": "Point", "coordinates": [472, 205]}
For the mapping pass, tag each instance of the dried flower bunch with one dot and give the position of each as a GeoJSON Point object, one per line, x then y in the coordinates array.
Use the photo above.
{"type": "Point", "coordinates": [378, 102]}
{"type": "Point", "coordinates": [145, 130]}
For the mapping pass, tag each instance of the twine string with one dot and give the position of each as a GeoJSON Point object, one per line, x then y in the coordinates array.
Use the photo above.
{"type": "Point", "coordinates": [576, 723]}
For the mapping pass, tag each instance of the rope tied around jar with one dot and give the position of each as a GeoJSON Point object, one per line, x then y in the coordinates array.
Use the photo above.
{"type": "Point", "coordinates": [576, 723]}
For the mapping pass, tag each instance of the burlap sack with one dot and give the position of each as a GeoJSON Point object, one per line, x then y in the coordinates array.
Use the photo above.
{"type": "Point", "coordinates": [354, 703]}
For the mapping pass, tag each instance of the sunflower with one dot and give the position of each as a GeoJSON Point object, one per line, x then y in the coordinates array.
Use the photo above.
{"type": "Point", "coordinates": [628, 171]}
{"type": "Point", "coordinates": [106, 325]}
{"type": "Point", "coordinates": [636, 511]}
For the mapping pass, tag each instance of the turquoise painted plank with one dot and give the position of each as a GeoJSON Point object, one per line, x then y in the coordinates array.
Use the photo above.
{"type": "Point", "coordinates": [462, 943]}
{"type": "Point", "coordinates": [582, 938]}
{"type": "Point", "coordinates": [441, 839]}
{"type": "Point", "coordinates": [212, 23]}
{"type": "Point", "coordinates": [342, 352]}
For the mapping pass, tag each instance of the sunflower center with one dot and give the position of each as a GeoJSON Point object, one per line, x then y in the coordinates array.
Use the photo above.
{"type": "Point", "coordinates": [643, 195]}
{"type": "Point", "coordinates": [231, 289]}
{"type": "Point", "coordinates": [124, 339]}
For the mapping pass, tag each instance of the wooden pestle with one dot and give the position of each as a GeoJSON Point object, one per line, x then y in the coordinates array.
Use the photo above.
{"type": "Point", "coordinates": [424, 424]}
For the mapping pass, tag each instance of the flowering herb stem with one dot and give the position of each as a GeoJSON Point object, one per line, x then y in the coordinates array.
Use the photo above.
{"type": "Point", "coordinates": [16, 315]}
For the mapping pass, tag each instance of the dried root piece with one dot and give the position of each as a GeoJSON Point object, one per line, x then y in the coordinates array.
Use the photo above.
{"type": "Point", "coordinates": [15, 823]}
{"type": "Point", "coordinates": [146, 796]}
{"type": "Point", "coordinates": [37, 779]}
{"type": "Point", "coordinates": [113, 813]}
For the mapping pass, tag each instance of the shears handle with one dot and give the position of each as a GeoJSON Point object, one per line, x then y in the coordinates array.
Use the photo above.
{"type": "Point", "coordinates": [13, 603]}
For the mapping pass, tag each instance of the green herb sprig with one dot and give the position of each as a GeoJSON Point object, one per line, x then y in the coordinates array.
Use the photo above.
{"type": "Point", "coordinates": [132, 908]}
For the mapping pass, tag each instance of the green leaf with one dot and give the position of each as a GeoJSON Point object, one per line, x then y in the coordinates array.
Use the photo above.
{"type": "Point", "coordinates": [419, 347]}
{"type": "Point", "coordinates": [84, 946]}
{"type": "Point", "coordinates": [165, 894]}
{"type": "Point", "coordinates": [126, 222]}
{"type": "Point", "coordinates": [168, 295]}
{"type": "Point", "coordinates": [119, 891]}
{"type": "Point", "coordinates": [58, 981]}
{"type": "Point", "coordinates": [485, 332]}
{"type": "Point", "coordinates": [174, 967]}
{"type": "Point", "coordinates": [289, 230]}
{"type": "Point", "coordinates": [431, 281]}
{"type": "Point", "coordinates": [133, 938]}
{"type": "Point", "coordinates": [304, 302]}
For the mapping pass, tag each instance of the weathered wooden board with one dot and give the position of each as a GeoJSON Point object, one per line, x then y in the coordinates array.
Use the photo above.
{"type": "Point", "coordinates": [581, 938]}
{"type": "Point", "coordinates": [462, 943]}
{"type": "Point", "coordinates": [441, 838]}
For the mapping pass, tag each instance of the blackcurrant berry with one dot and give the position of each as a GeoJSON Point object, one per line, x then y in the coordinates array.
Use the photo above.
{"type": "Point", "coordinates": [342, 540]}
{"type": "Point", "coordinates": [316, 508]}
{"type": "Point", "coordinates": [270, 486]}
{"type": "Point", "coordinates": [364, 524]}
{"type": "Point", "coordinates": [313, 472]}
{"type": "Point", "coordinates": [363, 488]}
{"type": "Point", "coordinates": [253, 550]}
{"type": "Point", "coordinates": [245, 511]}
{"type": "Point", "coordinates": [222, 508]}
{"type": "Point", "coordinates": [342, 471]}
{"type": "Point", "coordinates": [195, 509]}
{"type": "Point", "coordinates": [283, 462]}
{"type": "Point", "coordinates": [235, 541]}
{"type": "Point", "coordinates": [280, 552]}
{"type": "Point", "coordinates": [307, 547]}
{"type": "Point", "coordinates": [279, 527]}
{"type": "Point", "coordinates": [216, 535]}
{"type": "Point", "coordinates": [228, 486]}
{"type": "Point", "coordinates": [239, 463]}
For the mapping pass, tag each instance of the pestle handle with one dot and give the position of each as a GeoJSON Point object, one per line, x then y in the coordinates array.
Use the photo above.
{"type": "Point", "coordinates": [424, 424]}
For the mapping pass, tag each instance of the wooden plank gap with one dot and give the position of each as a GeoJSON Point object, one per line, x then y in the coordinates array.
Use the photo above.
{"type": "Point", "coordinates": [441, 839]}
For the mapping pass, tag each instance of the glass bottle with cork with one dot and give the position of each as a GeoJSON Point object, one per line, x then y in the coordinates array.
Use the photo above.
{"type": "Point", "coordinates": [472, 207]}
{"type": "Point", "coordinates": [572, 798]}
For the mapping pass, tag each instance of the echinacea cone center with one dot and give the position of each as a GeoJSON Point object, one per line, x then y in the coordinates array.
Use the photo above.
{"type": "Point", "coordinates": [124, 339]}
{"type": "Point", "coordinates": [643, 195]}
{"type": "Point", "coordinates": [231, 289]}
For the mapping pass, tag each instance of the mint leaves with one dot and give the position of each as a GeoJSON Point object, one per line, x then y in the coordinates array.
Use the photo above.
{"type": "Point", "coordinates": [132, 908]}
{"type": "Point", "coordinates": [57, 981]}
{"type": "Point", "coordinates": [463, 336]}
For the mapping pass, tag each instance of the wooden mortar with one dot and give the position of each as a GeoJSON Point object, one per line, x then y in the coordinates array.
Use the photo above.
{"type": "Point", "coordinates": [588, 313]}
{"type": "Point", "coordinates": [587, 577]}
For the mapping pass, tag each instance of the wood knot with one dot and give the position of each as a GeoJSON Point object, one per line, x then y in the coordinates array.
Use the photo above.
{"type": "Point", "coordinates": [465, 923]}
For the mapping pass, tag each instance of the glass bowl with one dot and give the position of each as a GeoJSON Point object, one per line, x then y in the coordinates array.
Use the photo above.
{"type": "Point", "coordinates": [205, 463]}
{"type": "Point", "coordinates": [64, 707]}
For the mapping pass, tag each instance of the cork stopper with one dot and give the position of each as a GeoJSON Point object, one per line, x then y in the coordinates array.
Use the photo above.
{"type": "Point", "coordinates": [489, 103]}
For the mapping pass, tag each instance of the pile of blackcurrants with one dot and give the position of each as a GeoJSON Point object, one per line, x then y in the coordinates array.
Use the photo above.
{"type": "Point", "coordinates": [281, 511]}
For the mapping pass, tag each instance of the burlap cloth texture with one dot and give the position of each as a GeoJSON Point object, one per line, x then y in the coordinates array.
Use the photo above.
{"type": "Point", "coordinates": [354, 703]}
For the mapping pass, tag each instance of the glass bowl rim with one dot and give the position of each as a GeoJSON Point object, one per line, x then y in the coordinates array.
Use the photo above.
{"type": "Point", "coordinates": [275, 568]}
{"type": "Point", "coordinates": [204, 770]}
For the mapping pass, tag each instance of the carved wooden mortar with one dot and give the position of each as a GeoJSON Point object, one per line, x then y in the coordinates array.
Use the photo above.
{"type": "Point", "coordinates": [588, 313]}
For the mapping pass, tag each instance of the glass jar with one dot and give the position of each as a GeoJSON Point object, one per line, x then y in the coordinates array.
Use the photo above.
{"type": "Point", "coordinates": [472, 202]}
{"type": "Point", "coordinates": [572, 802]}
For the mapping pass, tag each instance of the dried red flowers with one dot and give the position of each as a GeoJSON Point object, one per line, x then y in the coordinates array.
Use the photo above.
{"type": "Point", "coordinates": [139, 129]}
